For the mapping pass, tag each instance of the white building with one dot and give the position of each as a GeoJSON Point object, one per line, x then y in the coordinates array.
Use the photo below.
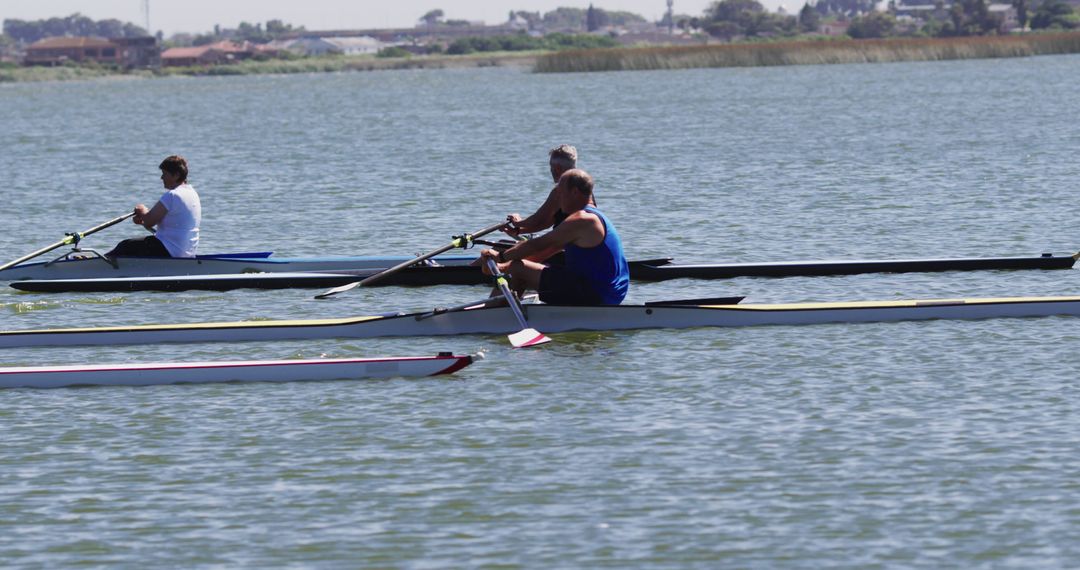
{"type": "Point", "coordinates": [362, 45]}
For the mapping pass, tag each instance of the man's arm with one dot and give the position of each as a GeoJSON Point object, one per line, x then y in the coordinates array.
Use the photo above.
{"type": "Point", "coordinates": [581, 228]}
{"type": "Point", "coordinates": [542, 219]}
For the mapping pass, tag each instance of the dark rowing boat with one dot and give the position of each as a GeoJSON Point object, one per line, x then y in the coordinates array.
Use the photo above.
{"type": "Point", "coordinates": [642, 270]}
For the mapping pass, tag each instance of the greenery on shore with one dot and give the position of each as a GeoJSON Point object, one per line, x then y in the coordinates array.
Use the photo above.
{"type": "Point", "coordinates": [14, 73]}
{"type": "Point", "coordinates": [809, 53]}
{"type": "Point", "coordinates": [525, 42]}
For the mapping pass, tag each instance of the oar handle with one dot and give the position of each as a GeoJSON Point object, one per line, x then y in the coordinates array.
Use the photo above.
{"type": "Point", "coordinates": [72, 238]}
{"type": "Point", "coordinates": [462, 241]}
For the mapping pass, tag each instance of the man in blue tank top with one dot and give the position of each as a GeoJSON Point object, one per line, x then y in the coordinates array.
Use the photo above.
{"type": "Point", "coordinates": [595, 272]}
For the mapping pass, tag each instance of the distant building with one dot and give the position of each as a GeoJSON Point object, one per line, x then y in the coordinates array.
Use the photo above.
{"type": "Point", "coordinates": [141, 52]}
{"type": "Point", "coordinates": [835, 28]}
{"type": "Point", "coordinates": [191, 56]}
{"type": "Point", "coordinates": [1010, 20]}
{"type": "Point", "coordinates": [60, 50]}
{"type": "Point", "coordinates": [924, 12]}
{"type": "Point", "coordinates": [363, 45]}
{"type": "Point", "coordinates": [313, 46]}
{"type": "Point", "coordinates": [10, 54]}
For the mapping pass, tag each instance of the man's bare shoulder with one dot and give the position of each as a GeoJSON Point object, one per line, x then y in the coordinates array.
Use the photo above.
{"type": "Point", "coordinates": [582, 215]}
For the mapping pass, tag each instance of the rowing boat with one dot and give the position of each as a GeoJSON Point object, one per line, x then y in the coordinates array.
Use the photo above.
{"type": "Point", "coordinates": [724, 312]}
{"type": "Point", "coordinates": [456, 271]}
{"type": "Point", "coordinates": [236, 371]}
{"type": "Point", "coordinates": [84, 264]}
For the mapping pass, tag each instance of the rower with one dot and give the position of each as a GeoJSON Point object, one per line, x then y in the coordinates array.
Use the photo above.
{"type": "Point", "coordinates": [596, 272]}
{"type": "Point", "coordinates": [548, 215]}
{"type": "Point", "coordinates": [176, 215]}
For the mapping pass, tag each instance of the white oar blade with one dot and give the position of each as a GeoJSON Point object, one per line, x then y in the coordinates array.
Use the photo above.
{"type": "Point", "coordinates": [528, 337]}
{"type": "Point", "coordinates": [336, 290]}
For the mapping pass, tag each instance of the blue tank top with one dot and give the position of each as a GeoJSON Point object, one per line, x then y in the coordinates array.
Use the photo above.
{"type": "Point", "coordinates": [603, 265]}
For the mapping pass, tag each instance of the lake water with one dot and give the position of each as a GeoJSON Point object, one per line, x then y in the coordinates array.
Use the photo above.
{"type": "Point", "coordinates": [924, 444]}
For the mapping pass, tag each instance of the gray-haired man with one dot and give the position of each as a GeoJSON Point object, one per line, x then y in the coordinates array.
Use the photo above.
{"type": "Point", "coordinates": [561, 158]}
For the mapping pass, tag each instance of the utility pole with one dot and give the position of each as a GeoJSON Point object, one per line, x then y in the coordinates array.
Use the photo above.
{"type": "Point", "coordinates": [670, 17]}
{"type": "Point", "coordinates": [146, 15]}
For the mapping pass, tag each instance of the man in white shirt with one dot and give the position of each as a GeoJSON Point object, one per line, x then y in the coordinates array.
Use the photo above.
{"type": "Point", "coordinates": [176, 215]}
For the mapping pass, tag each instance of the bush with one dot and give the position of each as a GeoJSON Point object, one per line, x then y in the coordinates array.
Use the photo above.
{"type": "Point", "coordinates": [393, 51]}
{"type": "Point", "coordinates": [524, 42]}
{"type": "Point", "coordinates": [1055, 15]}
{"type": "Point", "coordinates": [872, 25]}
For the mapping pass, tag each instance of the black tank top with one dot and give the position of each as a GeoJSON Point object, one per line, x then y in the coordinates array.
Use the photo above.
{"type": "Point", "coordinates": [560, 216]}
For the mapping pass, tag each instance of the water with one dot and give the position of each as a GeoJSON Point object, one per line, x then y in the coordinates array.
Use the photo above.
{"type": "Point", "coordinates": [880, 445]}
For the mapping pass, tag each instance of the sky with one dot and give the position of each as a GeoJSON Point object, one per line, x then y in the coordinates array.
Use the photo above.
{"type": "Point", "coordinates": [176, 16]}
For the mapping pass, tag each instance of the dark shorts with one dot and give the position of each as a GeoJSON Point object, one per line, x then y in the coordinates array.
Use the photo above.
{"type": "Point", "coordinates": [562, 286]}
{"type": "Point", "coordinates": [148, 246]}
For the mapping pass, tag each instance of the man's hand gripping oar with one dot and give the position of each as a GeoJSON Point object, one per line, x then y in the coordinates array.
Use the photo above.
{"type": "Point", "coordinates": [463, 241]}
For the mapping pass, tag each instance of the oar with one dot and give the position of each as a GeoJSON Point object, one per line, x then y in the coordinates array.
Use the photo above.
{"type": "Point", "coordinates": [443, 310]}
{"type": "Point", "coordinates": [526, 336]}
{"type": "Point", "coordinates": [72, 238]}
{"type": "Point", "coordinates": [462, 241]}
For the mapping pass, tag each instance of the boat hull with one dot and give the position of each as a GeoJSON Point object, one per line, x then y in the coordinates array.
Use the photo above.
{"type": "Point", "coordinates": [236, 371]}
{"type": "Point", "coordinates": [552, 319]}
{"type": "Point", "coordinates": [663, 272]}
{"type": "Point", "coordinates": [138, 267]}
{"type": "Point", "coordinates": [455, 271]}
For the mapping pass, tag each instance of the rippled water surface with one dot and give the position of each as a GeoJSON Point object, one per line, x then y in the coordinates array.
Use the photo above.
{"type": "Point", "coordinates": [929, 444]}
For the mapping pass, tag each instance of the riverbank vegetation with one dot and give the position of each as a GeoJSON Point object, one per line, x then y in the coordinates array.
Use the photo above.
{"type": "Point", "coordinates": [525, 42]}
{"type": "Point", "coordinates": [344, 64]}
{"type": "Point", "coordinates": [809, 53]}
{"type": "Point", "coordinates": [13, 73]}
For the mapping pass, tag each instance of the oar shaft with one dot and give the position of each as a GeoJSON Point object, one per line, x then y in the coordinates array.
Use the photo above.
{"type": "Point", "coordinates": [462, 307]}
{"type": "Point", "coordinates": [509, 295]}
{"type": "Point", "coordinates": [461, 241]}
{"type": "Point", "coordinates": [67, 240]}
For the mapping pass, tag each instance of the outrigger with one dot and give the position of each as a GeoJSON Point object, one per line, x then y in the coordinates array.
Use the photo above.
{"type": "Point", "coordinates": [719, 312]}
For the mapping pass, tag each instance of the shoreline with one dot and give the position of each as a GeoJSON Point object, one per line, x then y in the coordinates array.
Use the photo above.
{"type": "Point", "coordinates": [274, 67]}
{"type": "Point", "coordinates": [797, 52]}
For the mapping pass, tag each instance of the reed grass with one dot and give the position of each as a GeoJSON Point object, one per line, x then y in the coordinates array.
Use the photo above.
{"type": "Point", "coordinates": [341, 64]}
{"type": "Point", "coordinates": [808, 53]}
{"type": "Point", "coordinates": [14, 73]}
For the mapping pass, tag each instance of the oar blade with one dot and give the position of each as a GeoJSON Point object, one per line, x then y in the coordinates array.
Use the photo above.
{"type": "Point", "coordinates": [336, 290]}
{"type": "Point", "coordinates": [527, 337]}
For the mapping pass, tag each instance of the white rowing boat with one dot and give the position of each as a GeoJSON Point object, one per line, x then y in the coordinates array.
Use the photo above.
{"type": "Point", "coordinates": [91, 265]}
{"type": "Point", "coordinates": [555, 318]}
{"type": "Point", "coordinates": [237, 371]}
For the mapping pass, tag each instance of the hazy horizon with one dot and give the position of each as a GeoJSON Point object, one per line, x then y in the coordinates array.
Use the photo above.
{"type": "Point", "coordinates": [196, 16]}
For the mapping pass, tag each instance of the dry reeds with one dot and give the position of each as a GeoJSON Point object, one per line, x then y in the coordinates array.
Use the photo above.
{"type": "Point", "coordinates": [808, 53]}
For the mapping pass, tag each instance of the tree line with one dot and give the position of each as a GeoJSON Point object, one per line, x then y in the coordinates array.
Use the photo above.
{"type": "Point", "coordinates": [525, 42]}
{"type": "Point", "coordinates": [729, 19]}
{"type": "Point", "coordinates": [30, 31]}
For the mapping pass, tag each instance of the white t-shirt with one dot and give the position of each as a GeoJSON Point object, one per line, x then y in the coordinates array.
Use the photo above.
{"type": "Point", "coordinates": [178, 231]}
